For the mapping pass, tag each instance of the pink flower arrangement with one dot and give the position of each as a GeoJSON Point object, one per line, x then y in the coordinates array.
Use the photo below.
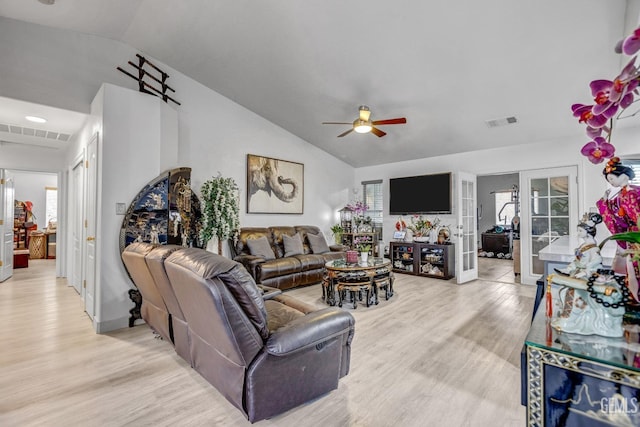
{"type": "Point", "coordinates": [362, 244]}
{"type": "Point", "coordinates": [610, 97]}
{"type": "Point", "coordinates": [358, 208]}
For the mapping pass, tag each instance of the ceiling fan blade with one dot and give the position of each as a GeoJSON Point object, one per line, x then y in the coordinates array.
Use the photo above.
{"type": "Point", "coordinates": [398, 121]}
{"type": "Point", "coordinates": [345, 133]}
{"type": "Point", "coordinates": [336, 123]}
{"type": "Point", "coordinates": [377, 132]}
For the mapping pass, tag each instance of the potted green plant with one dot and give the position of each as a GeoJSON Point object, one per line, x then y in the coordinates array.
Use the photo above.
{"type": "Point", "coordinates": [337, 231]}
{"type": "Point", "coordinates": [220, 210]}
{"type": "Point", "coordinates": [363, 245]}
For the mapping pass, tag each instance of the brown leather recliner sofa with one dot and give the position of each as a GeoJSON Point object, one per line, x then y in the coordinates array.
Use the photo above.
{"type": "Point", "coordinates": [265, 351]}
{"type": "Point", "coordinates": [284, 272]}
{"type": "Point", "coordinates": [264, 356]}
{"type": "Point", "coordinates": [160, 309]}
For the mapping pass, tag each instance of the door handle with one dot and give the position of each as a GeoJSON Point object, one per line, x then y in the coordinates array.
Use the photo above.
{"type": "Point", "coordinates": [90, 239]}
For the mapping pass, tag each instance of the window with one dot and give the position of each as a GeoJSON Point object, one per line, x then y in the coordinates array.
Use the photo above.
{"type": "Point", "coordinates": [505, 207]}
{"type": "Point", "coordinates": [372, 197]}
{"type": "Point", "coordinates": [51, 204]}
{"type": "Point", "coordinates": [635, 165]}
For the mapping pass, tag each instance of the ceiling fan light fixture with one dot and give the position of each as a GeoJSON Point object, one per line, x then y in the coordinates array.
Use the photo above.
{"type": "Point", "coordinates": [365, 113]}
{"type": "Point", "coordinates": [362, 126]}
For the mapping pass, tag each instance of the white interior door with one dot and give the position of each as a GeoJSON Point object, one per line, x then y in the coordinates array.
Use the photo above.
{"type": "Point", "coordinates": [90, 244]}
{"type": "Point", "coordinates": [467, 246]}
{"type": "Point", "coordinates": [549, 211]}
{"type": "Point", "coordinates": [77, 225]}
{"type": "Point", "coordinates": [6, 226]}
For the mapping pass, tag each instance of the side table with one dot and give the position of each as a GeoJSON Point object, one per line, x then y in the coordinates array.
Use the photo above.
{"type": "Point", "coordinates": [356, 278]}
{"type": "Point", "coordinates": [579, 380]}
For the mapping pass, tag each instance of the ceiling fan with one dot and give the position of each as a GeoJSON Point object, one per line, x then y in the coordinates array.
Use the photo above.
{"type": "Point", "coordinates": [363, 124]}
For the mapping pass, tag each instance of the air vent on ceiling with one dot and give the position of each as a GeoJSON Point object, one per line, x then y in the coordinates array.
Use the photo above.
{"type": "Point", "coordinates": [40, 133]}
{"type": "Point", "coordinates": [501, 122]}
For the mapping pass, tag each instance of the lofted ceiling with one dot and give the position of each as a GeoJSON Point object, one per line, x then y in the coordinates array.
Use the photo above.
{"type": "Point", "coordinates": [455, 70]}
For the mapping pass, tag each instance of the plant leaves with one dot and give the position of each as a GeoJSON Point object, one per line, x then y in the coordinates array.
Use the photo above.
{"type": "Point", "coordinates": [630, 236]}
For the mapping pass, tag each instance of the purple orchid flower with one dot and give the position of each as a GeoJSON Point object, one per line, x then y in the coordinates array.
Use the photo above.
{"type": "Point", "coordinates": [598, 150]}
{"type": "Point", "coordinates": [586, 115]}
{"type": "Point", "coordinates": [601, 90]}
{"type": "Point", "coordinates": [594, 132]}
{"type": "Point", "coordinates": [631, 44]}
{"type": "Point", "coordinates": [609, 96]}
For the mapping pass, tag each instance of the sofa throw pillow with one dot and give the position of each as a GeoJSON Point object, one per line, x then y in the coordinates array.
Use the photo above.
{"type": "Point", "coordinates": [318, 243]}
{"type": "Point", "coordinates": [292, 245]}
{"type": "Point", "coordinates": [260, 247]}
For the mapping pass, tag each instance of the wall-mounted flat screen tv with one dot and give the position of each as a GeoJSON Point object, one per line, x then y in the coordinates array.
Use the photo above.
{"type": "Point", "coordinates": [424, 194]}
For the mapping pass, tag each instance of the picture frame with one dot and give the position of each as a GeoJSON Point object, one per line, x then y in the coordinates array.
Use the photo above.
{"type": "Point", "coordinates": [274, 186]}
{"type": "Point", "coordinates": [399, 235]}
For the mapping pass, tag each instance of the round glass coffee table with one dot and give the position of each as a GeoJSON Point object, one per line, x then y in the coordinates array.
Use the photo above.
{"type": "Point", "coordinates": [349, 282]}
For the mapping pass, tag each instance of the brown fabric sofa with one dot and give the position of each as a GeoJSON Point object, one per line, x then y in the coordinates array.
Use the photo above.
{"type": "Point", "coordinates": [264, 356]}
{"type": "Point", "coordinates": [284, 272]}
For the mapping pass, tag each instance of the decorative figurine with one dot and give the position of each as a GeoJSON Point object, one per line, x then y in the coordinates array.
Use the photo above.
{"type": "Point", "coordinates": [620, 210]}
{"type": "Point", "coordinates": [593, 298]}
{"type": "Point", "coordinates": [588, 259]}
{"type": "Point", "coordinates": [154, 235]}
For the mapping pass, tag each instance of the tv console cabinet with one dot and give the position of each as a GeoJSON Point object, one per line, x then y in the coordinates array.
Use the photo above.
{"type": "Point", "coordinates": [423, 259]}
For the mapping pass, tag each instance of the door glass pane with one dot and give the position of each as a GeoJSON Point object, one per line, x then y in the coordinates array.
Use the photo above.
{"type": "Point", "coordinates": [538, 243]}
{"type": "Point", "coordinates": [559, 186]}
{"type": "Point", "coordinates": [541, 186]}
{"type": "Point", "coordinates": [468, 223]}
{"type": "Point", "coordinates": [539, 226]}
{"type": "Point", "coordinates": [560, 226]}
{"type": "Point", "coordinates": [539, 206]}
{"type": "Point", "coordinates": [559, 206]}
{"type": "Point", "coordinates": [537, 265]}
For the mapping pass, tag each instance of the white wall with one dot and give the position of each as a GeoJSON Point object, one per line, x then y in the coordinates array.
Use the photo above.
{"type": "Point", "coordinates": [135, 147]}
{"type": "Point", "coordinates": [216, 134]}
{"type": "Point", "coordinates": [131, 150]}
{"type": "Point", "coordinates": [31, 186]}
{"type": "Point", "coordinates": [31, 158]}
{"type": "Point", "coordinates": [556, 153]}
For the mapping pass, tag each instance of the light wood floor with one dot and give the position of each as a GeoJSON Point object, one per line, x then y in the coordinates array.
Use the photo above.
{"type": "Point", "coordinates": [497, 270]}
{"type": "Point", "coordinates": [436, 354]}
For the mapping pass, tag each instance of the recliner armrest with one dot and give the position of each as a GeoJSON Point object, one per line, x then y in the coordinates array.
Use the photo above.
{"type": "Point", "coordinates": [269, 292]}
{"type": "Point", "coordinates": [338, 248]}
{"type": "Point", "coordinates": [308, 331]}
{"type": "Point", "coordinates": [250, 262]}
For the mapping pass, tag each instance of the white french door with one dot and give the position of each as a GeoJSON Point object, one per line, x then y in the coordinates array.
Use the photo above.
{"type": "Point", "coordinates": [549, 211]}
{"type": "Point", "coordinates": [90, 244]}
{"type": "Point", "coordinates": [6, 226]}
{"type": "Point", "coordinates": [76, 209]}
{"type": "Point", "coordinates": [467, 246]}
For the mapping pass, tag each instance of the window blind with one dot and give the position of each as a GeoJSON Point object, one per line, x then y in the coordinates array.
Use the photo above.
{"type": "Point", "coordinates": [635, 165]}
{"type": "Point", "coordinates": [372, 197]}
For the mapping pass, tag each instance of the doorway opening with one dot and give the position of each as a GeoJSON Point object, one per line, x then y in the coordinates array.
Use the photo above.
{"type": "Point", "coordinates": [35, 220]}
{"type": "Point", "coordinates": [499, 227]}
